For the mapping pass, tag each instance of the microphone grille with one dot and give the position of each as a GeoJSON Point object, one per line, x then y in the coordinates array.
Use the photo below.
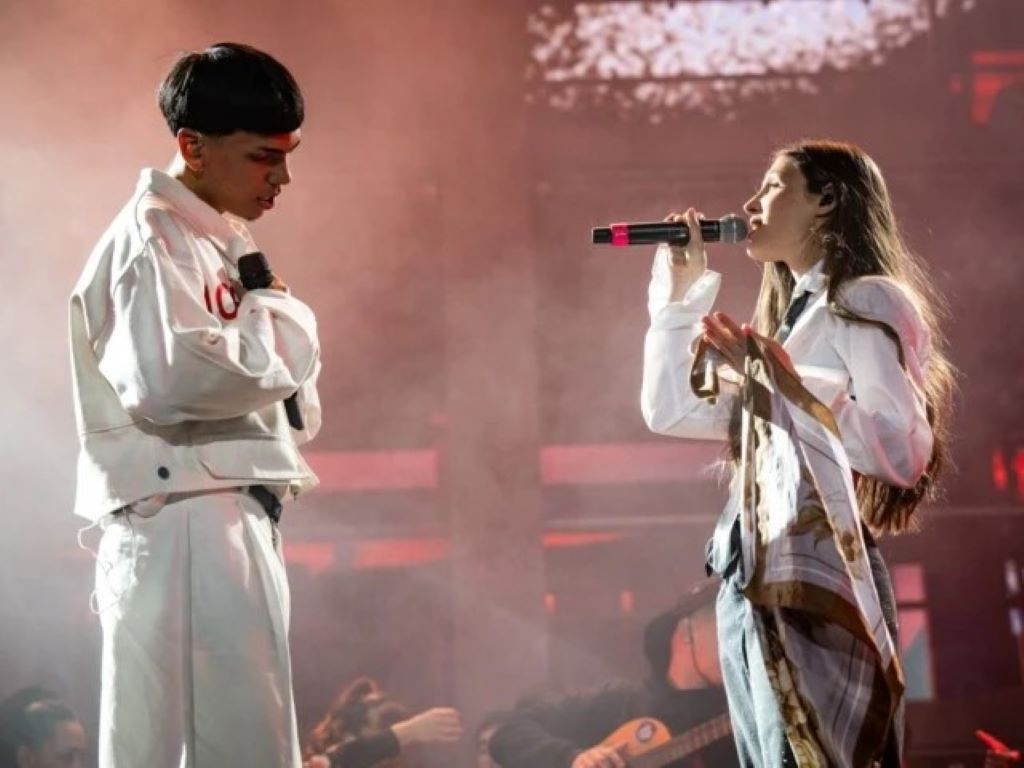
{"type": "Point", "coordinates": [733, 229]}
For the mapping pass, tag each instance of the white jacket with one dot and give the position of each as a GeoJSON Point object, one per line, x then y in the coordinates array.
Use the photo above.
{"type": "Point", "coordinates": [178, 384]}
{"type": "Point", "coordinates": [852, 368]}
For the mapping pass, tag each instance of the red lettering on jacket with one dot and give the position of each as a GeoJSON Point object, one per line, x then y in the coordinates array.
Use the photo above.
{"type": "Point", "coordinates": [222, 290]}
{"type": "Point", "coordinates": [227, 314]}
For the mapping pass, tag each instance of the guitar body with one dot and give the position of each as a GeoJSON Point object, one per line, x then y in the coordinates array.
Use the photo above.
{"type": "Point", "coordinates": [648, 743]}
{"type": "Point", "coordinates": [638, 736]}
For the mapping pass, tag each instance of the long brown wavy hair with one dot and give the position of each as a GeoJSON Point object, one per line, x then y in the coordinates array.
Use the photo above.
{"type": "Point", "coordinates": [360, 708]}
{"type": "Point", "coordinates": [860, 237]}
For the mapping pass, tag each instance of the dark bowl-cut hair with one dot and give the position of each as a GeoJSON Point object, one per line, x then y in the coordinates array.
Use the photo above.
{"type": "Point", "coordinates": [230, 87]}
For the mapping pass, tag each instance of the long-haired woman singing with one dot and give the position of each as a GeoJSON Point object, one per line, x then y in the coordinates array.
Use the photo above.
{"type": "Point", "coordinates": [835, 403]}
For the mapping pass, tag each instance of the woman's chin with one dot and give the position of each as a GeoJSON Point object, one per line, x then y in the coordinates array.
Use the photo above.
{"type": "Point", "coordinates": [756, 254]}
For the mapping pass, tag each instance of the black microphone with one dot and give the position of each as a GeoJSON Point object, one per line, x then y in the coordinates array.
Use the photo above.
{"type": "Point", "coordinates": [728, 229]}
{"type": "Point", "coordinates": [254, 272]}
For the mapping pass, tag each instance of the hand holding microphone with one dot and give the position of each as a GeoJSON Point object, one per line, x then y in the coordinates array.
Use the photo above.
{"type": "Point", "coordinates": [684, 233]}
{"type": "Point", "coordinates": [674, 231]}
{"type": "Point", "coordinates": [688, 261]}
{"type": "Point", "coordinates": [689, 255]}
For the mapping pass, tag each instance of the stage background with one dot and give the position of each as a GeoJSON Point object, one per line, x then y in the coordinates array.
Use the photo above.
{"type": "Point", "coordinates": [494, 519]}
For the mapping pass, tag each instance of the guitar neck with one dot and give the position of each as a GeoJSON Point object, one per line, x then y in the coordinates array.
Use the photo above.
{"type": "Point", "coordinates": [686, 744]}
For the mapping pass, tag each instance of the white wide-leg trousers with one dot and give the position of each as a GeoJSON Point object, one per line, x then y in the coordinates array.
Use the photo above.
{"type": "Point", "coordinates": [194, 607]}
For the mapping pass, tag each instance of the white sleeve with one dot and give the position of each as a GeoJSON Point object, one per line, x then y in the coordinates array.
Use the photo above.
{"type": "Point", "coordinates": [170, 360]}
{"type": "Point", "coordinates": [667, 400]}
{"type": "Point", "coordinates": [882, 420]}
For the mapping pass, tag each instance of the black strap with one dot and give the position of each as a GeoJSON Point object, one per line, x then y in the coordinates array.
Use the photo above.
{"type": "Point", "coordinates": [268, 500]}
{"type": "Point", "coordinates": [795, 308]}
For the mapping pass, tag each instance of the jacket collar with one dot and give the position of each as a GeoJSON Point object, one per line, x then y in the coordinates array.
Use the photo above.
{"type": "Point", "coordinates": [228, 233]}
{"type": "Point", "coordinates": [813, 280]}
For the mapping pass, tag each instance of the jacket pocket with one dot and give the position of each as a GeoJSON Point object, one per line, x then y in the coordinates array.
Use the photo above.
{"type": "Point", "coordinates": [252, 460]}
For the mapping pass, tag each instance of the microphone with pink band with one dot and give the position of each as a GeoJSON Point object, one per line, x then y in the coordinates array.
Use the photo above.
{"type": "Point", "coordinates": [728, 229]}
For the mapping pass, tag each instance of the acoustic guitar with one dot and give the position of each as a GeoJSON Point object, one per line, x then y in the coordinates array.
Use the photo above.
{"type": "Point", "coordinates": [648, 743]}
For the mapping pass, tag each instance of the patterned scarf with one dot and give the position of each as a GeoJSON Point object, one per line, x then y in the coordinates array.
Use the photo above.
{"type": "Point", "coordinates": [831, 660]}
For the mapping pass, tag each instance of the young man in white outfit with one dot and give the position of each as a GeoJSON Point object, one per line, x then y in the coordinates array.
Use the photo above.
{"type": "Point", "coordinates": [186, 449]}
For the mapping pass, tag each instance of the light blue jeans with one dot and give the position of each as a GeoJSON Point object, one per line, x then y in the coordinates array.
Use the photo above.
{"type": "Point", "coordinates": [756, 722]}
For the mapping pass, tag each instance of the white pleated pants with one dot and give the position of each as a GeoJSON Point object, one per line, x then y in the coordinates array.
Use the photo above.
{"type": "Point", "coordinates": [194, 607]}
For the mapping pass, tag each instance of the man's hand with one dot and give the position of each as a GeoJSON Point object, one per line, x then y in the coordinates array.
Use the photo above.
{"type": "Point", "coordinates": [440, 725]}
{"type": "Point", "coordinates": [599, 757]}
{"type": "Point", "coordinates": [275, 285]}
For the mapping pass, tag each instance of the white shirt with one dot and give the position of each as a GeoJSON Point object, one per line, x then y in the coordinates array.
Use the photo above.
{"type": "Point", "coordinates": [853, 368]}
{"type": "Point", "coordinates": [178, 379]}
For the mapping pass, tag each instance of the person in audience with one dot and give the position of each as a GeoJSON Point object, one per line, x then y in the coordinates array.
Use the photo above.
{"type": "Point", "coordinates": [683, 691]}
{"type": "Point", "coordinates": [364, 728]}
{"type": "Point", "coordinates": [39, 731]}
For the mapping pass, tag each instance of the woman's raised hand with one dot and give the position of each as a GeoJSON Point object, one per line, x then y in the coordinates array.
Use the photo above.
{"type": "Point", "coordinates": [729, 339]}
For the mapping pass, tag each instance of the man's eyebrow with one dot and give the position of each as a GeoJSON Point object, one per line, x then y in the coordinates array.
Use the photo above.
{"type": "Point", "coordinates": [272, 150]}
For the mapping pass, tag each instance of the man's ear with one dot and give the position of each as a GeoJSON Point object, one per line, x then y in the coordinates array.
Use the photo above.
{"type": "Point", "coordinates": [190, 146]}
{"type": "Point", "coordinates": [827, 203]}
